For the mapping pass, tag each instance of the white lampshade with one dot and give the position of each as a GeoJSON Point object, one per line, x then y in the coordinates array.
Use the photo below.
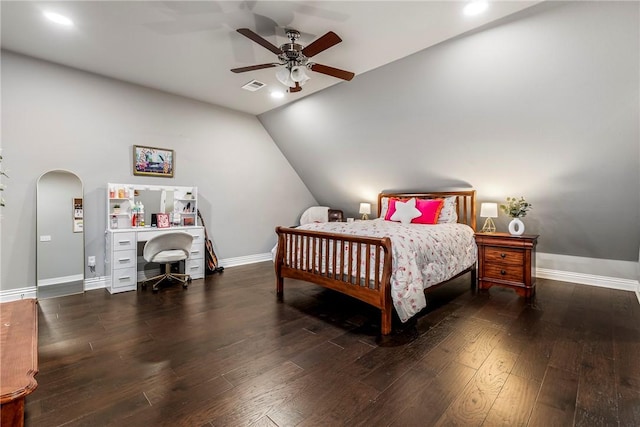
{"type": "Point", "coordinates": [299, 75]}
{"type": "Point", "coordinates": [365, 208]}
{"type": "Point", "coordinates": [284, 76]}
{"type": "Point", "coordinates": [489, 210]}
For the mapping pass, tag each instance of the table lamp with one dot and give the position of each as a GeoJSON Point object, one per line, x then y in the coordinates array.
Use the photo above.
{"type": "Point", "coordinates": [365, 210]}
{"type": "Point", "coordinates": [489, 211]}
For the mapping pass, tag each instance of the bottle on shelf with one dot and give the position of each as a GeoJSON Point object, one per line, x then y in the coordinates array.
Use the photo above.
{"type": "Point", "coordinates": [141, 213]}
{"type": "Point", "coordinates": [134, 216]}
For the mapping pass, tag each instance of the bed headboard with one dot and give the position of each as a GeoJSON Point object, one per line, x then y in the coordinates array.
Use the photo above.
{"type": "Point", "coordinates": [465, 202]}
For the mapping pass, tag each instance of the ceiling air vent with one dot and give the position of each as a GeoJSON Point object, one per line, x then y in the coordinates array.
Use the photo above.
{"type": "Point", "coordinates": [254, 85]}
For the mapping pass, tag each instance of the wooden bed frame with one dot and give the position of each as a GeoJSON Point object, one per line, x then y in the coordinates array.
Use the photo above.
{"type": "Point", "coordinates": [299, 252]}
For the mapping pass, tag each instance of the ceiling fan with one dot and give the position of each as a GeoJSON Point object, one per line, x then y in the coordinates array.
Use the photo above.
{"type": "Point", "coordinates": [295, 58]}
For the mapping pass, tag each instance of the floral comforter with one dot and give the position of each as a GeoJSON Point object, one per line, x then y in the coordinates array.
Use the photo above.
{"type": "Point", "coordinates": [423, 255]}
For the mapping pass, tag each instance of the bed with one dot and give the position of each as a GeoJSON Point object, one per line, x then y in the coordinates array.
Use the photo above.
{"type": "Point", "coordinates": [384, 263]}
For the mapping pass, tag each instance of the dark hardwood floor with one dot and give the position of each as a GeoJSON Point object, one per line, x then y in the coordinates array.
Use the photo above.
{"type": "Point", "coordinates": [225, 352]}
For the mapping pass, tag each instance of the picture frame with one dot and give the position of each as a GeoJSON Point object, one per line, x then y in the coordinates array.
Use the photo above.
{"type": "Point", "coordinates": [78, 215]}
{"type": "Point", "coordinates": [162, 220]}
{"type": "Point", "coordinates": [188, 221]}
{"type": "Point", "coordinates": [153, 161]}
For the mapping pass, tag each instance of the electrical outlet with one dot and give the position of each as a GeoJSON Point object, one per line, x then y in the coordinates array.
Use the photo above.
{"type": "Point", "coordinates": [91, 261]}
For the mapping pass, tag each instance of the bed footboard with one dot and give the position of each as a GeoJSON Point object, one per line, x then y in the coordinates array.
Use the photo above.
{"type": "Point", "coordinates": [353, 265]}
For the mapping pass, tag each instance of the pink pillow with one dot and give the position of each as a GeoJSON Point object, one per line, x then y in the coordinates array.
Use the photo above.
{"type": "Point", "coordinates": [392, 207]}
{"type": "Point", "coordinates": [430, 209]}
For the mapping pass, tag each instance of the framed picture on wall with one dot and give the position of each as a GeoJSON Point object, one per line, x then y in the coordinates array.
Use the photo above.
{"type": "Point", "coordinates": [152, 161]}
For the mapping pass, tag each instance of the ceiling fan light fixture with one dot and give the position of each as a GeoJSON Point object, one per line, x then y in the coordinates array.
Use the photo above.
{"type": "Point", "coordinates": [299, 74]}
{"type": "Point", "coordinates": [284, 76]}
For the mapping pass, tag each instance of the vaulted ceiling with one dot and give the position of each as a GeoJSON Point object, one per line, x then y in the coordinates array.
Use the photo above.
{"type": "Point", "coordinates": [188, 47]}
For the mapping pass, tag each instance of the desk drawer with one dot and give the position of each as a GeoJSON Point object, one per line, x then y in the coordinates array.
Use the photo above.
{"type": "Point", "coordinates": [196, 252]}
{"type": "Point", "coordinates": [195, 268]}
{"type": "Point", "coordinates": [198, 236]}
{"type": "Point", "coordinates": [124, 278]}
{"type": "Point", "coordinates": [124, 241]}
{"type": "Point", "coordinates": [124, 259]}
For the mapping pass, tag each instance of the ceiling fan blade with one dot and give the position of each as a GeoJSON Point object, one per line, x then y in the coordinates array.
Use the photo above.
{"type": "Point", "coordinates": [323, 43]}
{"type": "Point", "coordinates": [260, 40]}
{"type": "Point", "coordinates": [296, 88]}
{"type": "Point", "coordinates": [330, 71]}
{"type": "Point", "coordinates": [253, 67]}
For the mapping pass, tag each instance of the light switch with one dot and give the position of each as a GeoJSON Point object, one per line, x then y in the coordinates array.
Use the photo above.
{"type": "Point", "coordinates": [45, 238]}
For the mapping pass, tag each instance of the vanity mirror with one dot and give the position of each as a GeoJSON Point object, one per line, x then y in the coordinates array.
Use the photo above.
{"type": "Point", "coordinates": [178, 201]}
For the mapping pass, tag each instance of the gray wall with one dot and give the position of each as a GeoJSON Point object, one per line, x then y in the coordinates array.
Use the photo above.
{"type": "Point", "coordinates": [59, 118]}
{"type": "Point", "coordinates": [544, 105]}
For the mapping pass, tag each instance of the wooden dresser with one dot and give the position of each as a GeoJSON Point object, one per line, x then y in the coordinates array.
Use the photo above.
{"type": "Point", "coordinates": [507, 260]}
{"type": "Point", "coordinates": [18, 358]}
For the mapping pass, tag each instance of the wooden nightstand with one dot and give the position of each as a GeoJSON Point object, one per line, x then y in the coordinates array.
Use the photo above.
{"type": "Point", "coordinates": [507, 260]}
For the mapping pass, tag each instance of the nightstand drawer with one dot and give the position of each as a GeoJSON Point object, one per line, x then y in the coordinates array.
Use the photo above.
{"type": "Point", "coordinates": [505, 256]}
{"type": "Point", "coordinates": [504, 272]}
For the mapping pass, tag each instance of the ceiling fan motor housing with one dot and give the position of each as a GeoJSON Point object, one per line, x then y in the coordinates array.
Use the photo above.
{"type": "Point", "coordinates": [292, 52]}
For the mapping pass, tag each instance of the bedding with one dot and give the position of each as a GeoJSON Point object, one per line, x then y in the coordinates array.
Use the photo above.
{"type": "Point", "coordinates": [423, 255]}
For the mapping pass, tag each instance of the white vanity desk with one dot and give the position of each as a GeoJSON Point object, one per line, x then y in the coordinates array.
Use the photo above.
{"type": "Point", "coordinates": [125, 266]}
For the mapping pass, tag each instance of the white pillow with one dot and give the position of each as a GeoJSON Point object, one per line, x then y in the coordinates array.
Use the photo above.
{"type": "Point", "coordinates": [448, 214]}
{"type": "Point", "coordinates": [384, 207]}
{"type": "Point", "coordinates": [315, 214]}
{"type": "Point", "coordinates": [406, 211]}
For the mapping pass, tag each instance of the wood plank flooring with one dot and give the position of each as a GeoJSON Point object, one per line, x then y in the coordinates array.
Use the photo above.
{"type": "Point", "coordinates": [225, 352]}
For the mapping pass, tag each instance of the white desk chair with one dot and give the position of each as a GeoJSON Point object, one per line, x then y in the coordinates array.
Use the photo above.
{"type": "Point", "coordinates": [168, 248]}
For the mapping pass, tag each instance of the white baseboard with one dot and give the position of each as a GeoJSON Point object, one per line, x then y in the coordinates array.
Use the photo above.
{"type": "Point", "coordinates": [61, 280]}
{"type": "Point", "coordinates": [606, 273]}
{"type": "Point", "coordinates": [95, 283]}
{"type": "Point", "coordinates": [16, 294]}
{"type": "Point", "coordinates": [243, 260]}
{"type": "Point", "coordinates": [589, 279]}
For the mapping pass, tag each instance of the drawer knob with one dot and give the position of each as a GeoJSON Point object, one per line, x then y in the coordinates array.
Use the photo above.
{"type": "Point", "coordinates": [502, 255]}
{"type": "Point", "coordinates": [503, 272]}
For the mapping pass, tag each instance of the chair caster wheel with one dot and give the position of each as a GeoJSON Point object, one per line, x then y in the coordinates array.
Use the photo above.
{"type": "Point", "coordinates": [155, 291]}
{"type": "Point", "coordinates": [185, 286]}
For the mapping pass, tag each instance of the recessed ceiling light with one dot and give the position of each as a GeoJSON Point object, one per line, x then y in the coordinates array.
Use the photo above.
{"type": "Point", "coordinates": [58, 19]}
{"type": "Point", "coordinates": [475, 7]}
{"type": "Point", "coordinates": [277, 94]}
